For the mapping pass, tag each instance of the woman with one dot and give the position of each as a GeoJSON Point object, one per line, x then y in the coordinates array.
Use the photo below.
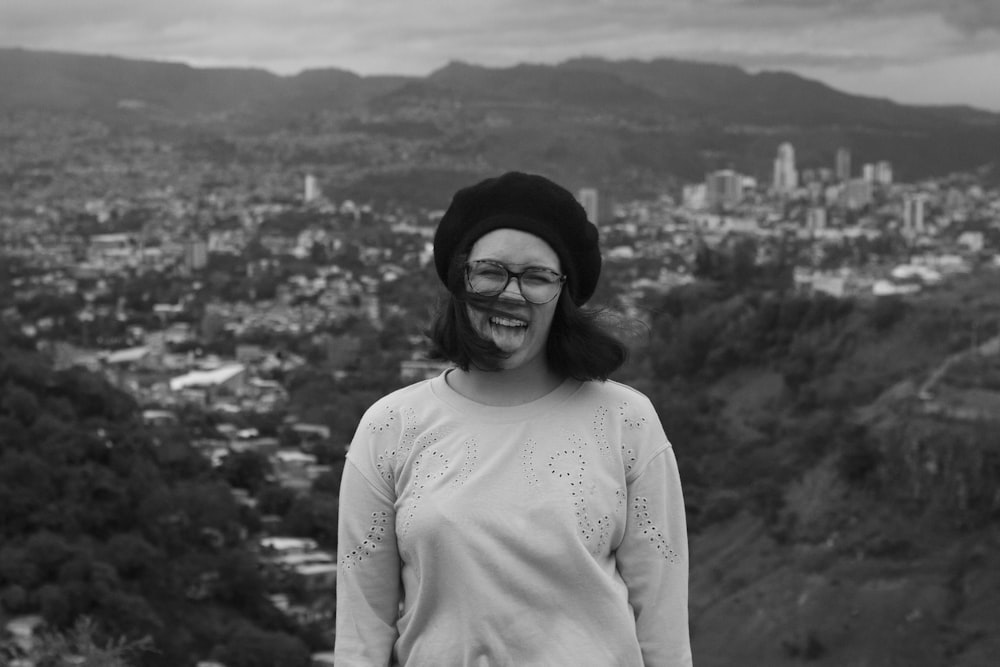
{"type": "Point", "coordinates": [518, 509]}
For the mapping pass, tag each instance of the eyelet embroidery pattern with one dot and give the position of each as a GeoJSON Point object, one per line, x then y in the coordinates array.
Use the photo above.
{"type": "Point", "coordinates": [389, 460]}
{"type": "Point", "coordinates": [384, 422]}
{"type": "Point", "coordinates": [630, 423]}
{"type": "Point", "coordinates": [569, 465]}
{"type": "Point", "coordinates": [469, 463]}
{"type": "Point", "coordinates": [371, 542]}
{"type": "Point", "coordinates": [601, 430]}
{"type": "Point", "coordinates": [643, 523]}
{"type": "Point", "coordinates": [380, 424]}
{"type": "Point", "coordinates": [428, 465]}
{"type": "Point", "coordinates": [628, 458]}
{"type": "Point", "coordinates": [527, 456]}
{"type": "Point", "coordinates": [408, 436]}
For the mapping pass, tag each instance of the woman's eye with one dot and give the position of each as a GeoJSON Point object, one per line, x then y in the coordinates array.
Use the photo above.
{"type": "Point", "coordinates": [490, 273]}
{"type": "Point", "coordinates": [538, 278]}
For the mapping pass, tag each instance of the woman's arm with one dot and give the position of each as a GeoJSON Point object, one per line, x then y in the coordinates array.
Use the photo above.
{"type": "Point", "coordinates": [368, 573]}
{"type": "Point", "coordinates": [653, 561]}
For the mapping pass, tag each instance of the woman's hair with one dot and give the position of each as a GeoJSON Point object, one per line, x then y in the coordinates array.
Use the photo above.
{"type": "Point", "coordinates": [578, 345]}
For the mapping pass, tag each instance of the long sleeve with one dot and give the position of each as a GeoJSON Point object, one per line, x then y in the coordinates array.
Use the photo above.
{"type": "Point", "coordinates": [653, 561]}
{"type": "Point", "coordinates": [368, 573]}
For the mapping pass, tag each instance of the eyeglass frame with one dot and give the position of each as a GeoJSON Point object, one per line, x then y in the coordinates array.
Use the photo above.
{"type": "Point", "coordinates": [514, 275]}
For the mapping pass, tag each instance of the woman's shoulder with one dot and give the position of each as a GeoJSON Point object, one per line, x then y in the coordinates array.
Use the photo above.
{"type": "Point", "coordinates": [388, 423]}
{"type": "Point", "coordinates": [618, 403]}
{"type": "Point", "coordinates": [410, 396]}
{"type": "Point", "coordinates": [412, 392]}
{"type": "Point", "coordinates": [610, 391]}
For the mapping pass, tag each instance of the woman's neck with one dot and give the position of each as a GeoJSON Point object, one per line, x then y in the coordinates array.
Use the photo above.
{"type": "Point", "coordinates": [507, 387]}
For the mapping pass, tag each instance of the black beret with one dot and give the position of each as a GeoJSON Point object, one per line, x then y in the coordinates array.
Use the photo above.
{"type": "Point", "coordinates": [529, 203]}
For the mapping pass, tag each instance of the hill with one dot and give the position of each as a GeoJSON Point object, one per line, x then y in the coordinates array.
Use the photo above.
{"type": "Point", "coordinates": [104, 518]}
{"type": "Point", "coordinates": [839, 515]}
{"type": "Point", "coordinates": [625, 126]}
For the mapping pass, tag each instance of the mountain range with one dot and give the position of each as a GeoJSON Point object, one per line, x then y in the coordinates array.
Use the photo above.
{"type": "Point", "coordinates": [625, 124]}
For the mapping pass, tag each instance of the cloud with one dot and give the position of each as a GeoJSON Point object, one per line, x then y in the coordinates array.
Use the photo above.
{"type": "Point", "coordinates": [973, 16]}
{"type": "Point", "coordinates": [407, 37]}
{"type": "Point", "coordinates": [969, 16]}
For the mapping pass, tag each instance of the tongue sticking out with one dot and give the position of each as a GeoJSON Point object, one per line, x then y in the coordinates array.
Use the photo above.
{"type": "Point", "coordinates": [507, 334]}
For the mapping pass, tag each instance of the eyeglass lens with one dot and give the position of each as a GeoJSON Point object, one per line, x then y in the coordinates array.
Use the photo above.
{"type": "Point", "coordinates": [537, 285]}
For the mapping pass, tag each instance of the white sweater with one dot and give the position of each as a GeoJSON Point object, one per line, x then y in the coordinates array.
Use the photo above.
{"type": "Point", "coordinates": [550, 533]}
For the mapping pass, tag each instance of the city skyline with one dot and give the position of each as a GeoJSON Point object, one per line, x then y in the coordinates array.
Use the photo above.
{"type": "Point", "coordinates": [911, 51]}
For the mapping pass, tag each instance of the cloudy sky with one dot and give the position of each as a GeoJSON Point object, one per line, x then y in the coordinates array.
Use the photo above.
{"type": "Point", "coordinates": [919, 51]}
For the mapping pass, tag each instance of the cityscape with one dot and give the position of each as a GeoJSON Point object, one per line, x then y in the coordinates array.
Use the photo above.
{"type": "Point", "coordinates": [251, 314]}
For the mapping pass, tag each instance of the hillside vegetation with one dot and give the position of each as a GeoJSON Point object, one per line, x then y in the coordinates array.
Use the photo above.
{"type": "Point", "coordinates": [101, 517]}
{"type": "Point", "coordinates": [839, 515]}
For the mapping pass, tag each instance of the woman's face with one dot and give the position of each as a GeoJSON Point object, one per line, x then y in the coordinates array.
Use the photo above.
{"type": "Point", "coordinates": [519, 328]}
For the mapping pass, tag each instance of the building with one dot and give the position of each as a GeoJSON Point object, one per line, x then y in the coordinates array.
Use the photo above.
{"type": "Point", "coordinates": [227, 380]}
{"type": "Point", "coordinates": [322, 659]}
{"type": "Point", "coordinates": [883, 173]}
{"type": "Point", "coordinates": [112, 252]}
{"type": "Point", "coordinates": [287, 545]}
{"type": "Point", "coordinates": [856, 193]}
{"type": "Point", "coordinates": [24, 631]}
{"type": "Point", "coordinates": [834, 285]}
{"type": "Point", "coordinates": [589, 201]}
{"type": "Point", "coordinates": [313, 578]}
{"type": "Point", "coordinates": [195, 254]}
{"type": "Point", "coordinates": [816, 218]}
{"type": "Point", "coordinates": [971, 241]}
{"type": "Point", "coordinates": [842, 165]}
{"type": "Point", "coordinates": [786, 178]}
{"type": "Point", "coordinates": [913, 215]}
{"type": "Point", "coordinates": [694, 196]}
{"type": "Point", "coordinates": [723, 189]}
{"type": "Point", "coordinates": [311, 190]}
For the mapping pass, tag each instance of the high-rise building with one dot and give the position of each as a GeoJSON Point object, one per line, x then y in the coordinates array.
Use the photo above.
{"type": "Point", "coordinates": [815, 218]}
{"type": "Point", "coordinates": [786, 178]}
{"type": "Point", "coordinates": [589, 201]}
{"type": "Point", "coordinates": [883, 173]}
{"type": "Point", "coordinates": [723, 188]}
{"type": "Point", "coordinates": [842, 166]}
{"type": "Point", "coordinates": [913, 215]}
{"type": "Point", "coordinates": [311, 189]}
{"type": "Point", "coordinates": [868, 172]}
{"type": "Point", "coordinates": [195, 254]}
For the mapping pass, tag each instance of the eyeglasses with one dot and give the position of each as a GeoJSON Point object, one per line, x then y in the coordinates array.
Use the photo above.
{"type": "Point", "coordinates": [537, 285]}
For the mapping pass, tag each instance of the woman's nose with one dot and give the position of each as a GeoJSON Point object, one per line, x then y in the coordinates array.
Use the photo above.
{"type": "Point", "coordinates": [512, 290]}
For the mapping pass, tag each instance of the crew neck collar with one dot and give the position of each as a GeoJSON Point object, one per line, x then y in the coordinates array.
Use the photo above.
{"type": "Point", "coordinates": [501, 413]}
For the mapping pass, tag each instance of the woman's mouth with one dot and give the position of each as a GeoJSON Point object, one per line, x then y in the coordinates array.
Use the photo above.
{"type": "Point", "coordinates": [507, 332]}
{"type": "Point", "coordinates": [507, 322]}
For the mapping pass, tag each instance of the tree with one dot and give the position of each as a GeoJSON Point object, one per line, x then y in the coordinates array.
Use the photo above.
{"type": "Point", "coordinates": [275, 499]}
{"type": "Point", "coordinates": [27, 485]}
{"type": "Point", "coordinates": [240, 581]}
{"type": "Point", "coordinates": [329, 482]}
{"type": "Point", "coordinates": [131, 555]}
{"type": "Point", "coordinates": [313, 515]}
{"type": "Point", "coordinates": [249, 646]}
{"type": "Point", "coordinates": [245, 470]}
{"type": "Point", "coordinates": [78, 646]}
{"type": "Point", "coordinates": [20, 404]}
